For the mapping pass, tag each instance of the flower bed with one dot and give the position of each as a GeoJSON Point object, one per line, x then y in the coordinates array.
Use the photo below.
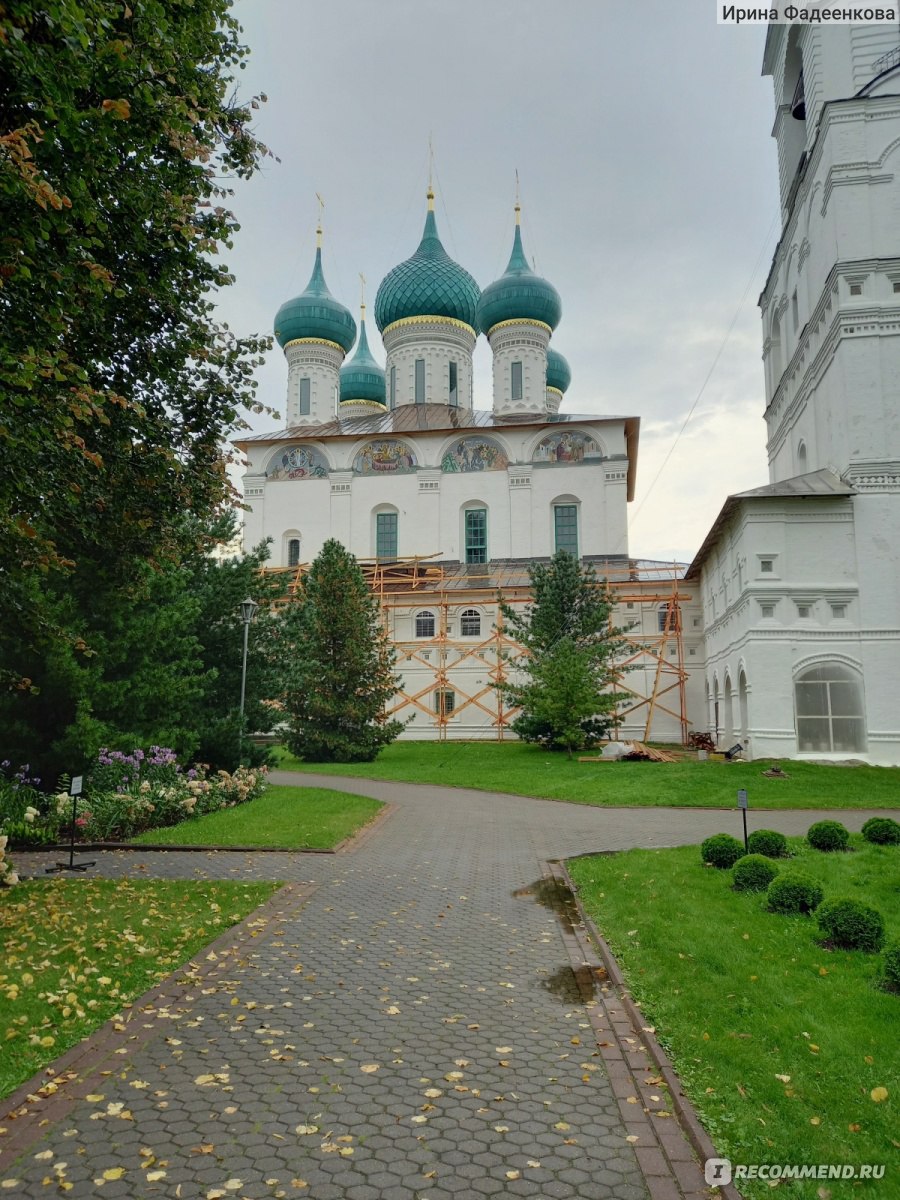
{"type": "Point", "coordinates": [124, 794]}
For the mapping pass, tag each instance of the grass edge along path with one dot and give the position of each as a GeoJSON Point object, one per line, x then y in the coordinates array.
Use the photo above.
{"type": "Point", "coordinates": [525, 770]}
{"type": "Point", "coordinates": [77, 950]}
{"type": "Point", "coordinates": [289, 818]}
{"type": "Point", "coordinates": [777, 1041]}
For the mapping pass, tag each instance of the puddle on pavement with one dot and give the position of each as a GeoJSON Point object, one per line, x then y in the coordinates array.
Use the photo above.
{"type": "Point", "coordinates": [555, 895]}
{"type": "Point", "coordinates": [570, 985]}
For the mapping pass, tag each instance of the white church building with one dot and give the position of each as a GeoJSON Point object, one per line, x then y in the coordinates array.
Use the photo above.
{"type": "Point", "coordinates": [784, 632]}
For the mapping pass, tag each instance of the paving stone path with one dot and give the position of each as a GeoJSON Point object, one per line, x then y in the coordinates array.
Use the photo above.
{"type": "Point", "coordinates": [409, 1028]}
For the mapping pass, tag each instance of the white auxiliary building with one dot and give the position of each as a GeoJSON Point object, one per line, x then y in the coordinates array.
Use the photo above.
{"type": "Point", "coordinates": [800, 579]}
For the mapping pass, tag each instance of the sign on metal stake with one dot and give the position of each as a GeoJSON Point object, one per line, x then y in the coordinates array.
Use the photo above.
{"type": "Point", "coordinates": [743, 805]}
{"type": "Point", "coordinates": [74, 791]}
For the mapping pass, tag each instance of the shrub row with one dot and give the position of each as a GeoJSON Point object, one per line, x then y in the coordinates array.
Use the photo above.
{"type": "Point", "coordinates": [845, 924]}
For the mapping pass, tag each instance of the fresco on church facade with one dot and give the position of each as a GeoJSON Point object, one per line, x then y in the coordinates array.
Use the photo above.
{"type": "Point", "coordinates": [299, 462]}
{"type": "Point", "coordinates": [385, 457]}
{"type": "Point", "coordinates": [474, 454]}
{"type": "Point", "coordinates": [570, 446]}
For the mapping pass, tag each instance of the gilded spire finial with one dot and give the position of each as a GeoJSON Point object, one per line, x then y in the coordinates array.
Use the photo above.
{"type": "Point", "coordinates": [430, 192]}
{"type": "Point", "coordinates": [518, 204]}
{"type": "Point", "coordinates": [319, 224]}
{"type": "Point", "coordinates": [362, 295]}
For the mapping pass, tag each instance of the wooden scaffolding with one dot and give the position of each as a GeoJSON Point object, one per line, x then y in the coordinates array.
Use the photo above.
{"type": "Point", "coordinates": [652, 595]}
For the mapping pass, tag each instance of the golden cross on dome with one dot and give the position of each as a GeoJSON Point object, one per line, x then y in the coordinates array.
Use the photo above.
{"type": "Point", "coordinates": [321, 216]}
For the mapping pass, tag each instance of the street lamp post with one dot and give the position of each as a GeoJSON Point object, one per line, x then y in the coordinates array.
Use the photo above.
{"type": "Point", "coordinates": [248, 612]}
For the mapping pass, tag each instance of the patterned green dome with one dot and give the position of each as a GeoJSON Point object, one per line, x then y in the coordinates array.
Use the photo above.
{"type": "Point", "coordinates": [315, 314]}
{"type": "Point", "coordinates": [361, 377]}
{"type": "Point", "coordinates": [559, 374]}
{"type": "Point", "coordinates": [430, 284]}
{"type": "Point", "coordinates": [519, 294]}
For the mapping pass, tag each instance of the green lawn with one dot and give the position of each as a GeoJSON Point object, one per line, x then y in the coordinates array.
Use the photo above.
{"type": "Point", "coordinates": [76, 951]}
{"type": "Point", "coordinates": [530, 771]}
{"type": "Point", "coordinates": [294, 818]}
{"type": "Point", "coordinates": [741, 997]}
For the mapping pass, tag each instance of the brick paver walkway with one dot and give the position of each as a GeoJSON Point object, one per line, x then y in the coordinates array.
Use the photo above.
{"type": "Point", "coordinates": [409, 1031]}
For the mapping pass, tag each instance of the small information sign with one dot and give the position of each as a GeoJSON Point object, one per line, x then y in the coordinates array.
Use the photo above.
{"type": "Point", "coordinates": [742, 799]}
{"type": "Point", "coordinates": [75, 785]}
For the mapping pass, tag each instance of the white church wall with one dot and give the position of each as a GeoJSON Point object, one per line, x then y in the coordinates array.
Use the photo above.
{"type": "Point", "coordinates": [519, 495]}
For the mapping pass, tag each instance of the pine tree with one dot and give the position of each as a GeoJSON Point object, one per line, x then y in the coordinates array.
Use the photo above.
{"type": "Point", "coordinates": [338, 665]}
{"type": "Point", "coordinates": [567, 670]}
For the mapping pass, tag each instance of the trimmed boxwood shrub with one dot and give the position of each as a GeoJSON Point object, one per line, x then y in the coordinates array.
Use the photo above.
{"type": "Point", "coordinates": [890, 970]}
{"type": "Point", "coordinates": [852, 925]}
{"type": "Point", "coordinates": [722, 851]}
{"type": "Point", "coordinates": [753, 873]}
{"type": "Point", "coordinates": [794, 892]}
{"type": "Point", "coordinates": [883, 831]}
{"type": "Point", "coordinates": [828, 835]}
{"type": "Point", "coordinates": [769, 842]}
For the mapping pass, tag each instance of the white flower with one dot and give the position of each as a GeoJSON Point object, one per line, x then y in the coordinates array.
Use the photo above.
{"type": "Point", "coordinates": [11, 879]}
{"type": "Point", "coordinates": [3, 840]}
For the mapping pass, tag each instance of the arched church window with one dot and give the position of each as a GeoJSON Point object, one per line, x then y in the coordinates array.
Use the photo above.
{"type": "Point", "coordinates": [470, 622]}
{"type": "Point", "coordinates": [801, 459]}
{"type": "Point", "coordinates": [425, 624]}
{"type": "Point", "coordinates": [386, 533]}
{"type": "Point", "coordinates": [829, 709]}
{"type": "Point", "coordinates": [662, 619]}
{"type": "Point", "coordinates": [293, 552]}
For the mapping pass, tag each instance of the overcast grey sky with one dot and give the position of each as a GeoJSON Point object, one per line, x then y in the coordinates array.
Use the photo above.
{"type": "Point", "coordinates": [641, 134]}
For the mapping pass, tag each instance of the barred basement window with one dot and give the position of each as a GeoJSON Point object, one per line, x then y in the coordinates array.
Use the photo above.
{"type": "Point", "coordinates": [838, 610]}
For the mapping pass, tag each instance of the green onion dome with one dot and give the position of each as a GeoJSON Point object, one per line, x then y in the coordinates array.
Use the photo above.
{"type": "Point", "coordinates": [559, 374]}
{"type": "Point", "coordinates": [315, 314]}
{"type": "Point", "coordinates": [519, 294]}
{"type": "Point", "coordinates": [430, 284]}
{"type": "Point", "coordinates": [361, 376]}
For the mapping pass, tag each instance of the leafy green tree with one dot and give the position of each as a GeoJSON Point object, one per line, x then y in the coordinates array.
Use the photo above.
{"type": "Point", "coordinates": [164, 665]}
{"type": "Point", "coordinates": [565, 685]}
{"type": "Point", "coordinates": [119, 132]}
{"type": "Point", "coordinates": [338, 665]}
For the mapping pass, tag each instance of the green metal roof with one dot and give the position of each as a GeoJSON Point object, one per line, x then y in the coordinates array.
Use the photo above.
{"type": "Point", "coordinates": [430, 284]}
{"type": "Point", "coordinates": [362, 378]}
{"type": "Point", "coordinates": [559, 374]}
{"type": "Point", "coordinates": [518, 294]}
{"type": "Point", "coordinates": [315, 314]}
